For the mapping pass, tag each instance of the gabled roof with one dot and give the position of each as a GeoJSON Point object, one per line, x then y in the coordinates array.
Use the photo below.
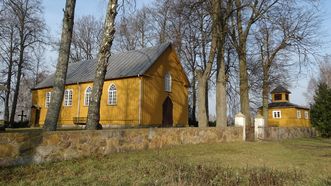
{"type": "Point", "coordinates": [126, 64]}
{"type": "Point", "coordinates": [280, 89]}
{"type": "Point", "coordinates": [284, 105]}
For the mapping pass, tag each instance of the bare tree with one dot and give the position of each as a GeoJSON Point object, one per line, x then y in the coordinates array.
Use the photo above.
{"type": "Point", "coordinates": [324, 76]}
{"type": "Point", "coordinates": [204, 74]}
{"type": "Point", "coordinates": [247, 13]}
{"type": "Point", "coordinates": [30, 27]}
{"type": "Point", "coordinates": [223, 11]}
{"type": "Point", "coordinates": [8, 53]}
{"type": "Point", "coordinates": [61, 68]}
{"type": "Point", "coordinates": [286, 30]}
{"type": "Point", "coordinates": [86, 38]}
{"type": "Point", "coordinates": [93, 116]}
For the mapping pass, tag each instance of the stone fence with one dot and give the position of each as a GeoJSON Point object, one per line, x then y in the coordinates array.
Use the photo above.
{"type": "Point", "coordinates": [36, 146]}
{"type": "Point", "coordinates": [281, 133]}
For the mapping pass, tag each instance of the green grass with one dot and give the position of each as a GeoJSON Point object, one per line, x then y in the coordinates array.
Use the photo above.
{"type": "Point", "coordinates": [291, 162]}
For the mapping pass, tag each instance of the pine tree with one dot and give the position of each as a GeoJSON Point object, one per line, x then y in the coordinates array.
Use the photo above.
{"type": "Point", "coordinates": [321, 110]}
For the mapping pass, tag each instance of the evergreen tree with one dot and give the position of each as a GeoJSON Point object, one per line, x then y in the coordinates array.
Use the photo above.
{"type": "Point", "coordinates": [321, 110]}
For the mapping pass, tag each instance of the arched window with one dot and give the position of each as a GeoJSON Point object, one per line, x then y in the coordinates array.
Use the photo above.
{"type": "Point", "coordinates": [67, 97]}
{"type": "Point", "coordinates": [112, 97]}
{"type": "Point", "coordinates": [87, 96]}
{"type": "Point", "coordinates": [167, 82]}
{"type": "Point", "coordinates": [48, 99]}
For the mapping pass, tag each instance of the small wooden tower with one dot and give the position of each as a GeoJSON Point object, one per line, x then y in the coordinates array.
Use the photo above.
{"type": "Point", "coordinates": [283, 113]}
{"type": "Point", "coordinates": [280, 94]}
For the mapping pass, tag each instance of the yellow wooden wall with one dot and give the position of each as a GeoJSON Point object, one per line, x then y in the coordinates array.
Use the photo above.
{"type": "Point", "coordinates": [289, 118]}
{"type": "Point", "coordinates": [125, 112]}
{"type": "Point", "coordinates": [154, 94]}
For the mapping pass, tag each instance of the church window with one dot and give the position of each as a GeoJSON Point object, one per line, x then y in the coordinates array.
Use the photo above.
{"type": "Point", "coordinates": [276, 114]}
{"type": "Point", "coordinates": [167, 82]}
{"type": "Point", "coordinates": [298, 114]}
{"type": "Point", "coordinates": [67, 97]}
{"type": "Point", "coordinates": [112, 97]}
{"type": "Point", "coordinates": [48, 99]}
{"type": "Point", "coordinates": [87, 96]}
{"type": "Point", "coordinates": [278, 97]}
{"type": "Point", "coordinates": [306, 114]}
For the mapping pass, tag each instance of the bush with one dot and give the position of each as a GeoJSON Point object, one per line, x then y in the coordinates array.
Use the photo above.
{"type": "Point", "coordinates": [320, 112]}
{"type": "Point", "coordinates": [24, 124]}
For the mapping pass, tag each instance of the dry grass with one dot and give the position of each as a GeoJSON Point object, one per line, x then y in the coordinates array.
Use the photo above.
{"type": "Point", "coordinates": [292, 162]}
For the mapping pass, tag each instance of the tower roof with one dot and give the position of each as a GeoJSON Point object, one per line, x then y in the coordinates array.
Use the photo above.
{"type": "Point", "coordinates": [280, 89]}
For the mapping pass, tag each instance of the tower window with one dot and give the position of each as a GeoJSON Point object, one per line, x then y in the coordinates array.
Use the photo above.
{"type": "Point", "coordinates": [298, 114]}
{"type": "Point", "coordinates": [306, 115]}
{"type": "Point", "coordinates": [276, 114]}
{"type": "Point", "coordinates": [278, 97]}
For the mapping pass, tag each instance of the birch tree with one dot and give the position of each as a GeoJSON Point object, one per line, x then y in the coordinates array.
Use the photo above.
{"type": "Point", "coordinates": [61, 68]}
{"type": "Point", "coordinates": [93, 116]}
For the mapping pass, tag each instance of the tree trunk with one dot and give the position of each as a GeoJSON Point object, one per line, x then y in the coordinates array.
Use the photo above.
{"type": "Point", "coordinates": [8, 83]}
{"type": "Point", "coordinates": [221, 103]}
{"type": "Point", "coordinates": [18, 80]}
{"type": "Point", "coordinates": [202, 112]}
{"type": "Point", "coordinates": [265, 96]}
{"type": "Point", "coordinates": [206, 100]}
{"type": "Point", "coordinates": [194, 99]}
{"type": "Point", "coordinates": [61, 68]}
{"type": "Point", "coordinates": [93, 116]}
{"type": "Point", "coordinates": [244, 88]}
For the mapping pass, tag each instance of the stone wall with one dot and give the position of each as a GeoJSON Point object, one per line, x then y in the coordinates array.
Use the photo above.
{"type": "Point", "coordinates": [281, 133]}
{"type": "Point", "coordinates": [36, 146]}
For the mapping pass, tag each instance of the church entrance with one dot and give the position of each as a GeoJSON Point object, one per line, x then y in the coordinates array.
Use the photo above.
{"type": "Point", "coordinates": [35, 116]}
{"type": "Point", "coordinates": [167, 118]}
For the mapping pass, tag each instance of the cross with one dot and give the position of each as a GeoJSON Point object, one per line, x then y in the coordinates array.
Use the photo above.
{"type": "Point", "coordinates": [22, 115]}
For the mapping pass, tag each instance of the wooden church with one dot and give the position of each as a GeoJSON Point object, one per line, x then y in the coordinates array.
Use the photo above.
{"type": "Point", "coordinates": [283, 113]}
{"type": "Point", "coordinates": [146, 87]}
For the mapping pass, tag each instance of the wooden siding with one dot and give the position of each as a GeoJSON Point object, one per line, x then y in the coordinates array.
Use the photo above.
{"type": "Point", "coordinates": [154, 94]}
{"type": "Point", "coordinates": [125, 112]}
{"type": "Point", "coordinates": [289, 118]}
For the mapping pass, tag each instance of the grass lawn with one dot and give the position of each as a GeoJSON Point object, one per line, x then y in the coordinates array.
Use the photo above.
{"type": "Point", "coordinates": [291, 162]}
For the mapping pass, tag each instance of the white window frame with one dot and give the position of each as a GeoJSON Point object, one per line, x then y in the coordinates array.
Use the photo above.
{"type": "Point", "coordinates": [306, 115]}
{"type": "Point", "coordinates": [48, 99]}
{"type": "Point", "coordinates": [299, 114]}
{"type": "Point", "coordinates": [87, 96]}
{"type": "Point", "coordinates": [112, 94]}
{"type": "Point", "coordinates": [278, 114]}
{"type": "Point", "coordinates": [167, 82]}
{"type": "Point", "coordinates": [67, 97]}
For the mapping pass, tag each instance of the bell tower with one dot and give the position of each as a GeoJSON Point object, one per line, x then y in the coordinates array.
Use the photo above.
{"type": "Point", "coordinates": [280, 94]}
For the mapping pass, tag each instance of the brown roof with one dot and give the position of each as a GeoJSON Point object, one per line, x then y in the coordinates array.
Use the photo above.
{"type": "Point", "coordinates": [280, 89]}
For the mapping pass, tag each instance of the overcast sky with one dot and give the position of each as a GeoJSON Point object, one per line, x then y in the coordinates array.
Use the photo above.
{"type": "Point", "coordinates": [54, 13]}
